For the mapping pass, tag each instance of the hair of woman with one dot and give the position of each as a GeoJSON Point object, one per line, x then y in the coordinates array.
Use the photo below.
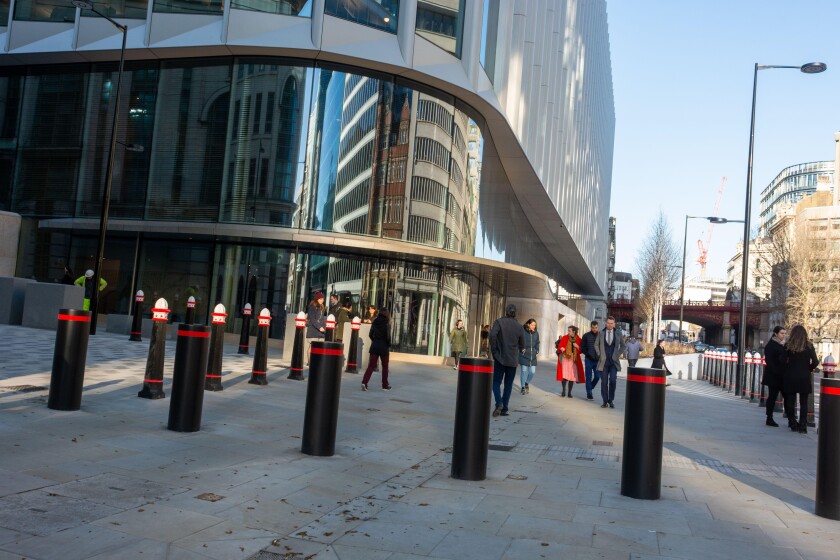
{"type": "Point", "coordinates": [798, 339]}
{"type": "Point", "coordinates": [384, 313]}
{"type": "Point", "coordinates": [778, 328]}
{"type": "Point", "coordinates": [528, 322]}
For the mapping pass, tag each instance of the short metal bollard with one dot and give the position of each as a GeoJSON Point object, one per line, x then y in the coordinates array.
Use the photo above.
{"type": "Point", "coordinates": [259, 371]}
{"type": "Point", "coordinates": [329, 328]}
{"type": "Point", "coordinates": [829, 365]}
{"type": "Point", "coordinates": [644, 427]}
{"type": "Point", "coordinates": [245, 335]}
{"type": "Point", "coordinates": [827, 496]}
{"type": "Point", "coordinates": [213, 379]}
{"type": "Point", "coordinates": [153, 380]}
{"type": "Point", "coordinates": [353, 351]}
{"type": "Point", "coordinates": [296, 369]}
{"type": "Point", "coordinates": [137, 320]}
{"type": "Point", "coordinates": [320, 418]}
{"type": "Point", "coordinates": [69, 358]}
{"type": "Point", "coordinates": [190, 319]}
{"type": "Point", "coordinates": [809, 418]}
{"type": "Point", "coordinates": [188, 378]}
{"type": "Point", "coordinates": [471, 440]}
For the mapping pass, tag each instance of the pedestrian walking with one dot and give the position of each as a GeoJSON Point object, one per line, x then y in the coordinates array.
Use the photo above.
{"type": "Point", "coordinates": [796, 377]}
{"type": "Point", "coordinates": [333, 307]}
{"type": "Point", "coordinates": [370, 315]}
{"type": "Point", "coordinates": [67, 279]}
{"type": "Point", "coordinates": [458, 341]}
{"type": "Point", "coordinates": [775, 357]}
{"type": "Point", "coordinates": [380, 345]}
{"type": "Point", "coordinates": [569, 364]}
{"type": "Point", "coordinates": [315, 322]}
{"type": "Point", "coordinates": [609, 346]}
{"type": "Point", "coordinates": [507, 342]}
{"type": "Point", "coordinates": [590, 358]}
{"type": "Point", "coordinates": [86, 282]}
{"type": "Point", "coordinates": [342, 318]}
{"type": "Point", "coordinates": [658, 357]}
{"type": "Point", "coordinates": [528, 359]}
{"type": "Point", "coordinates": [633, 350]}
{"type": "Point", "coordinates": [484, 341]}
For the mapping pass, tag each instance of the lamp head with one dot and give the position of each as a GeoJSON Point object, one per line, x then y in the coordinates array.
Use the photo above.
{"type": "Point", "coordinates": [86, 5]}
{"type": "Point", "coordinates": [716, 220]}
{"type": "Point", "coordinates": [813, 67]}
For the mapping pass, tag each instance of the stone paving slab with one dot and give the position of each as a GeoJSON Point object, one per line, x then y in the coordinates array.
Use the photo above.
{"type": "Point", "coordinates": [110, 481]}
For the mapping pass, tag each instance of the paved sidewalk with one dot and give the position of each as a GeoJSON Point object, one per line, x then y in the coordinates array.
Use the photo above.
{"type": "Point", "coordinates": [110, 481]}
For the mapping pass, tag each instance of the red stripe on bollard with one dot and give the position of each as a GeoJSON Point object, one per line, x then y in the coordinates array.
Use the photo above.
{"type": "Point", "coordinates": [80, 318]}
{"type": "Point", "coordinates": [646, 379]}
{"type": "Point", "coordinates": [475, 369]}
{"type": "Point", "coordinates": [327, 351]}
{"type": "Point", "coordinates": [258, 372]}
{"type": "Point", "coordinates": [830, 391]}
{"type": "Point", "coordinates": [147, 380]}
{"type": "Point", "coordinates": [194, 334]}
{"type": "Point", "coordinates": [296, 369]}
{"type": "Point", "coordinates": [211, 376]}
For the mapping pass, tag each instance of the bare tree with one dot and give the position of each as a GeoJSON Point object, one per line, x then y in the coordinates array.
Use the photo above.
{"type": "Point", "coordinates": [658, 268]}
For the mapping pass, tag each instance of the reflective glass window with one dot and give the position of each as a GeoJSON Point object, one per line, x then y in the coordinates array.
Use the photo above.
{"type": "Point", "coordinates": [11, 87]}
{"type": "Point", "coordinates": [265, 143]}
{"type": "Point", "coordinates": [4, 12]}
{"type": "Point", "coordinates": [134, 136]}
{"type": "Point", "coordinates": [190, 141]}
{"type": "Point", "coordinates": [213, 7]}
{"type": "Point", "coordinates": [50, 141]}
{"type": "Point", "coordinates": [442, 23]}
{"type": "Point", "coordinates": [285, 7]}
{"type": "Point", "coordinates": [45, 10]}
{"type": "Point", "coordinates": [489, 34]}
{"type": "Point", "coordinates": [127, 9]}
{"type": "Point", "coordinates": [381, 14]}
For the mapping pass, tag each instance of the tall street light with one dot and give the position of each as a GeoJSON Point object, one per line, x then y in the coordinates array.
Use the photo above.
{"type": "Point", "coordinates": [713, 220]}
{"type": "Point", "coordinates": [109, 174]}
{"type": "Point", "coordinates": [809, 68]}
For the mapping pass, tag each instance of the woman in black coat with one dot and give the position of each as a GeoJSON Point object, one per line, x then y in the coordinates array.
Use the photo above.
{"type": "Point", "coordinates": [775, 357]}
{"type": "Point", "coordinates": [796, 378]}
{"type": "Point", "coordinates": [380, 346]}
{"type": "Point", "coordinates": [659, 357]}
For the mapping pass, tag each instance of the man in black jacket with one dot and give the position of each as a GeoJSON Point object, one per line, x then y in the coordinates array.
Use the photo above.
{"type": "Point", "coordinates": [507, 342]}
{"type": "Point", "coordinates": [590, 358]}
{"type": "Point", "coordinates": [775, 356]}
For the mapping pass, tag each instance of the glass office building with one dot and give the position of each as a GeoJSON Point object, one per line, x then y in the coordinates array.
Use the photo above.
{"type": "Point", "coordinates": [267, 173]}
{"type": "Point", "coordinates": [791, 185]}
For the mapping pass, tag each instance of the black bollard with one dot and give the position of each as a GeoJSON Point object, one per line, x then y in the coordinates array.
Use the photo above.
{"type": "Point", "coordinates": [644, 427]}
{"type": "Point", "coordinates": [322, 393]}
{"type": "Point", "coordinates": [827, 496]}
{"type": "Point", "coordinates": [296, 369]}
{"type": "Point", "coordinates": [329, 328]}
{"type": "Point", "coordinates": [137, 320]}
{"type": "Point", "coordinates": [353, 351]}
{"type": "Point", "coordinates": [190, 319]}
{"type": "Point", "coordinates": [188, 378]}
{"type": "Point", "coordinates": [245, 336]}
{"type": "Point", "coordinates": [213, 379]}
{"type": "Point", "coordinates": [258, 372]}
{"type": "Point", "coordinates": [472, 419]}
{"type": "Point", "coordinates": [153, 381]}
{"type": "Point", "coordinates": [69, 357]}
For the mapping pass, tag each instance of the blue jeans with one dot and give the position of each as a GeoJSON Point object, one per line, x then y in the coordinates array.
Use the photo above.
{"type": "Point", "coordinates": [526, 374]}
{"type": "Point", "coordinates": [592, 375]}
{"type": "Point", "coordinates": [508, 374]}
{"type": "Point", "coordinates": [608, 386]}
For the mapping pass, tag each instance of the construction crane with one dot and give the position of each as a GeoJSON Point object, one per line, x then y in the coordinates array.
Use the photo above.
{"type": "Point", "coordinates": [704, 249]}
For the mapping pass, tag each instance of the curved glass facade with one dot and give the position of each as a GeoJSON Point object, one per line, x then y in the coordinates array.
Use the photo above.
{"type": "Point", "coordinates": [381, 14]}
{"type": "Point", "coordinates": [442, 23]}
{"type": "Point", "coordinates": [791, 185]}
{"type": "Point", "coordinates": [264, 142]}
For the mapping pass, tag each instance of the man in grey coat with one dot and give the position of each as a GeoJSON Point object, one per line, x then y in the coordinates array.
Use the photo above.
{"type": "Point", "coordinates": [610, 346]}
{"type": "Point", "coordinates": [634, 348]}
{"type": "Point", "coordinates": [507, 342]}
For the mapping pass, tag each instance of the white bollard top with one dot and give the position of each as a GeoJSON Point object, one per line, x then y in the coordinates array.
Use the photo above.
{"type": "Point", "coordinates": [219, 308]}
{"type": "Point", "coordinates": [356, 324]}
{"type": "Point", "coordinates": [191, 301]}
{"type": "Point", "coordinates": [265, 312]}
{"type": "Point", "coordinates": [160, 312]}
{"type": "Point", "coordinates": [264, 318]}
{"type": "Point", "coordinates": [219, 315]}
{"type": "Point", "coordinates": [301, 315]}
{"type": "Point", "coordinates": [330, 321]}
{"type": "Point", "coordinates": [161, 304]}
{"type": "Point", "coordinates": [247, 309]}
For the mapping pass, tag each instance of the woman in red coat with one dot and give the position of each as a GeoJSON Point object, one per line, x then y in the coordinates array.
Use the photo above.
{"type": "Point", "coordinates": [569, 364]}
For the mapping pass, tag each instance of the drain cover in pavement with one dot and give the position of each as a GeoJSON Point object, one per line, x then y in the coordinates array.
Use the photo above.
{"type": "Point", "coordinates": [266, 555]}
{"type": "Point", "coordinates": [210, 497]}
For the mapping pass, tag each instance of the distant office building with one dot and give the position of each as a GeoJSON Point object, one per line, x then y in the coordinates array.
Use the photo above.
{"type": "Point", "coordinates": [622, 286]}
{"type": "Point", "coordinates": [791, 185]}
{"type": "Point", "coordinates": [426, 156]}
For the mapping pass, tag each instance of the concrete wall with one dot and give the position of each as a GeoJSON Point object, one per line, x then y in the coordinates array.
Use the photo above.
{"type": "Point", "coordinates": [9, 235]}
{"type": "Point", "coordinates": [40, 309]}
{"type": "Point", "coordinates": [12, 297]}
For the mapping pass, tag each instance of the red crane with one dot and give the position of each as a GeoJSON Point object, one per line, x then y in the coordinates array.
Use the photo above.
{"type": "Point", "coordinates": [704, 249]}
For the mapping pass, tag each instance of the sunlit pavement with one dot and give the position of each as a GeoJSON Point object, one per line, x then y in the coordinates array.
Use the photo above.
{"type": "Point", "coordinates": [110, 481]}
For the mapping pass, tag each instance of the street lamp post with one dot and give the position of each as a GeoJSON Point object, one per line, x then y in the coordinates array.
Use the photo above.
{"type": "Point", "coordinates": [109, 173]}
{"type": "Point", "coordinates": [809, 68]}
{"type": "Point", "coordinates": [713, 220]}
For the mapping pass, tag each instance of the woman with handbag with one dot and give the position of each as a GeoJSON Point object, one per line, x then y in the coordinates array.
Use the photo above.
{"type": "Point", "coordinates": [659, 357]}
{"type": "Point", "coordinates": [569, 364]}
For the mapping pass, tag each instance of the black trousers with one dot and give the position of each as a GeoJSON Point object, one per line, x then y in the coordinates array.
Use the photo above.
{"type": "Point", "coordinates": [790, 406]}
{"type": "Point", "coordinates": [772, 395]}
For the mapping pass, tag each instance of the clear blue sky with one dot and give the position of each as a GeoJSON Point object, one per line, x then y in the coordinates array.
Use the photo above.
{"type": "Point", "coordinates": [682, 75]}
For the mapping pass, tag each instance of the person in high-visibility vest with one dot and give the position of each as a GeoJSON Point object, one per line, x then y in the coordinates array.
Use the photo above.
{"type": "Point", "coordinates": [86, 282]}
